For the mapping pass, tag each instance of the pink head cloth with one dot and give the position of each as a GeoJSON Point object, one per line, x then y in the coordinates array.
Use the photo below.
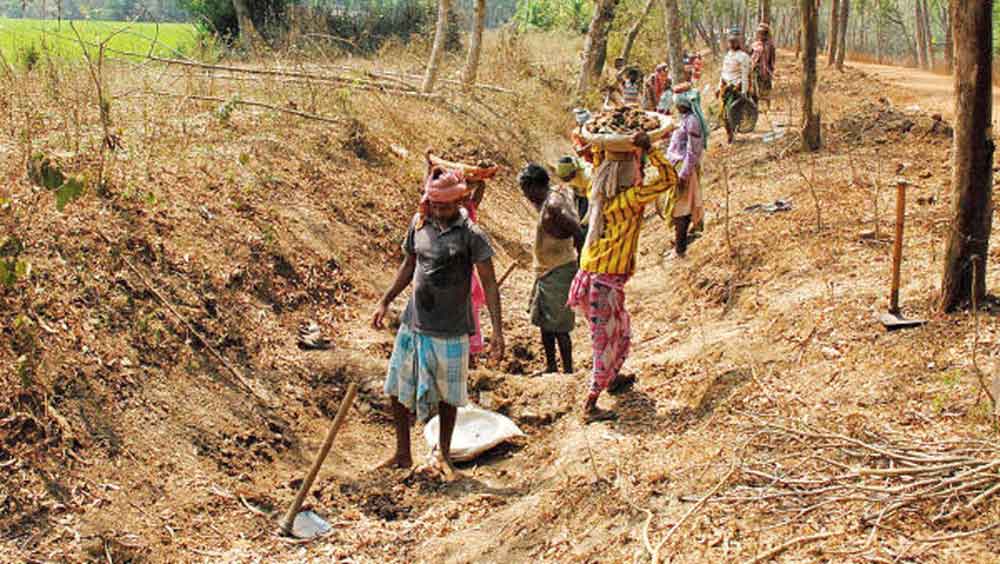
{"type": "Point", "coordinates": [444, 186]}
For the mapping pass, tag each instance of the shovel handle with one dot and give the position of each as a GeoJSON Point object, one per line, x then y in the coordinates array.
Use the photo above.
{"type": "Point", "coordinates": [506, 274]}
{"type": "Point", "coordinates": [338, 421]}
{"type": "Point", "coordinates": [897, 247]}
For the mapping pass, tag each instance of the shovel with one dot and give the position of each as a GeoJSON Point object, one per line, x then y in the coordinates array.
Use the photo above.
{"type": "Point", "coordinates": [306, 525]}
{"type": "Point", "coordinates": [893, 320]}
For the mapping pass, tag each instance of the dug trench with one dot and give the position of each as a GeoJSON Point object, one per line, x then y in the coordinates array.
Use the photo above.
{"type": "Point", "coordinates": [124, 438]}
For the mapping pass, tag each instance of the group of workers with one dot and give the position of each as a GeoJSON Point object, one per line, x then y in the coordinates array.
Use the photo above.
{"type": "Point", "coordinates": [584, 252]}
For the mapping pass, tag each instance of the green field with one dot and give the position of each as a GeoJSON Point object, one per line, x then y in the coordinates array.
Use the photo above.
{"type": "Point", "coordinates": [19, 38]}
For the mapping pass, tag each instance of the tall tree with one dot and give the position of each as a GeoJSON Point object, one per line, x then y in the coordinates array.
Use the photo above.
{"type": "Point", "coordinates": [765, 11]}
{"type": "Point", "coordinates": [949, 43]}
{"type": "Point", "coordinates": [595, 47]}
{"type": "Point", "coordinates": [633, 32]}
{"type": "Point", "coordinates": [928, 35]}
{"type": "Point", "coordinates": [475, 44]}
{"type": "Point", "coordinates": [845, 9]}
{"type": "Point", "coordinates": [437, 51]}
{"type": "Point", "coordinates": [248, 33]}
{"type": "Point", "coordinates": [834, 35]}
{"type": "Point", "coordinates": [811, 140]}
{"type": "Point", "coordinates": [972, 179]}
{"type": "Point", "coordinates": [921, 34]}
{"type": "Point", "coordinates": [675, 46]}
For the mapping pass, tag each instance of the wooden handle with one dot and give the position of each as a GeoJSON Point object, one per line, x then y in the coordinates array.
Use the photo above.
{"type": "Point", "coordinates": [897, 247]}
{"type": "Point", "coordinates": [338, 421]}
{"type": "Point", "coordinates": [506, 274]}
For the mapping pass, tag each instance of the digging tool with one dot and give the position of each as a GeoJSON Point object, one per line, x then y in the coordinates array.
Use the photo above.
{"type": "Point", "coordinates": [506, 274]}
{"type": "Point", "coordinates": [307, 524]}
{"type": "Point", "coordinates": [893, 319]}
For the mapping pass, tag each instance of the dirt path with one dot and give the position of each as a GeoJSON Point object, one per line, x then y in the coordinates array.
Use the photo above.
{"type": "Point", "coordinates": [925, 88]}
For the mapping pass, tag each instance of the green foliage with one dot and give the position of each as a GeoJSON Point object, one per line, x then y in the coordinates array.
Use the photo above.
{"type": "Point", "coordinates": [218, 17]}
{"type": "Point", "coordinates": [42, 171]}
{"type": "Point", "coordinates": [554, 14]}
{"type": "Point", "coordinates": [12, 268]}
{"type": "Point", "coordinates": [72, 189]}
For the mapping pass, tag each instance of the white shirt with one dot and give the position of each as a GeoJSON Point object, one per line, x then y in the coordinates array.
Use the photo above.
{"type": "Point", "coordinates": [736, 69]}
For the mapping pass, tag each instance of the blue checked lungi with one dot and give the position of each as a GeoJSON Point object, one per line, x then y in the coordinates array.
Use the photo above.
{"type": "Point", "coordinates": [424, 370]}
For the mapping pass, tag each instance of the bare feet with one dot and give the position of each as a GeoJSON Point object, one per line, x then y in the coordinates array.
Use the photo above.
{"type": "Point", "coordinates": [448, 471]}
{"type": "Point", "coordinates": [397, 461]}
{"type": "Point", "coordinates": [592, 413]}
{"type": "Point", "coordinates": [621, 383]}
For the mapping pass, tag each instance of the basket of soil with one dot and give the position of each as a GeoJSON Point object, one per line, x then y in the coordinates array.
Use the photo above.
{"type": "Point", "coordinates": [613, 129]}
{"type": "Point", "coordinates": [474, 167]}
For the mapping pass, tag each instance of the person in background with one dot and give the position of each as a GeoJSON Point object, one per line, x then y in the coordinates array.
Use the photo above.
{"type": "Point", "coordinates": [734, 81]}
{"type": "Point", "coordinates": [558, 237]}
{"type": "Point", "coordinates": [576, 175]}
{"type": "Point", "coordinates": [430, 360]}
{"type": "Point", "coordinates": [762, 62]}
{"type": "Point", "coordinates": [687, 144]}
{"type": "Point", "coordinates": [618, 201]}
{"type": "Point", "coordinates": [630, 90]}
{"type": "Point", "coordinates": [655, 86]}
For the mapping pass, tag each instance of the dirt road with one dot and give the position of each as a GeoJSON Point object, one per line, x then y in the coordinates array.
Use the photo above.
{"type": "Point", "coordinates": [925, 88]}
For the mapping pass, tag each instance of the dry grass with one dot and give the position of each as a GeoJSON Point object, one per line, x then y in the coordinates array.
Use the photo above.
{"type": "Point", "coordinates": [121, 437]}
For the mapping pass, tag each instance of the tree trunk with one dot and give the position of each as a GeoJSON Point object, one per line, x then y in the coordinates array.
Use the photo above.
{"type": "Point", "coordinates": [845, 8]}
{"type": "Point", "coordinates": [596, 45]}
{"type": "Point", "coordinates": [706, 38]}
{"type": "Point", "coordinates": [878, 36]}
{"type": "Point", "coordinates": [949, 43]}
{"type": "Point", "coordinates": [437, 51]}
{"type": "Point", "coordinates": [475, 44]}
{"type": "Point", "coordinates": [972, 179]}
{"type": "Point", "coordinates": [633, 32]}
{"type": "Point", "coordinates": [810, 120]}
{"type": "Point", "coordinates": [248, 33]}
{"type": "Point", "coordinates": [675, 46]}
{"type": "Point", "coordinates": [834, 35]}
{"type": "Point", "coordinates": [765, 11]}
{"type": "Point", "coordinates": [921, 40]}
{"type": "Point", "coordinates": [928, 36]}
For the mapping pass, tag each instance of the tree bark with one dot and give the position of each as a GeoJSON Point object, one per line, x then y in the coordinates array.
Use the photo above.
{"type": "Point", "coordinates": [928, 36]}
{"type": "Point", "coordinates": [596, 45]}
{"type": "Point", "coordinates": [633, 32]}
{"type": "Point", "coordinates": [437, 51]}
{"type": "Point", "coordinates": [967, 249]}
{"type": "Point", "coordinates": [834, 32]}
{"type": "Point", "coordinates": [878, 36]}
{"type": "Point", "coordinates": [845, 8]}
{"type": "Point", "coordinates": [475, 44]}
{"type": "Point", "coordinates": [811, 140]}
{"type": "Point", "coordinates": [675, 46]}
{"type": "Point", "coordinates": [949, 43]}
{"type": "Point", "coordinates": [921, 38]}
{"type": "Point", "coordinates": [248, 33]}
{"type": "Point", "coordinates": [765, 11]}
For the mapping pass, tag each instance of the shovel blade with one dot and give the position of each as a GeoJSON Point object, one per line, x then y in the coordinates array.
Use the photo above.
{"type": "Point", "coordinates": [308, 525]}
{"type": "Point", "coordinates": [895, 321]}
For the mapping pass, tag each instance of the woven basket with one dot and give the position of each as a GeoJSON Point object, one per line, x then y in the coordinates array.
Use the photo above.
{"type": "Point", "coordinates": [471, 172]}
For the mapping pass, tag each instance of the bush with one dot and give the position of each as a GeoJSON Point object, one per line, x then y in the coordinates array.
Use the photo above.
{"type": "Point", "coordinates": [219, 17]}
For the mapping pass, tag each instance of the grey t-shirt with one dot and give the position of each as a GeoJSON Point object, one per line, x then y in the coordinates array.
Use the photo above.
{"type": "Point", "coordinates": [440, 305]}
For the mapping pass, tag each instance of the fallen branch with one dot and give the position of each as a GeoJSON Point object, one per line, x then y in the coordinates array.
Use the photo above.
{"type": "Point", "coordinates": [701, 502]}
{"type": "Point", "coordinates": [238, 102]}
{"type": "Point", "coordinates": [790, 544]}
